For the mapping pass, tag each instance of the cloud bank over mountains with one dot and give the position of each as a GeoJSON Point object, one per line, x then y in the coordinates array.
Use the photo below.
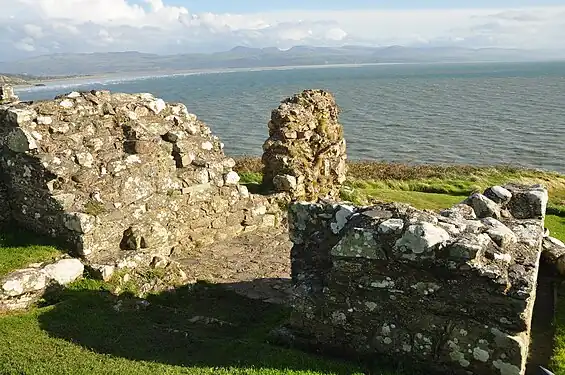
{"type": "Point", "coordinates": [37, 27]}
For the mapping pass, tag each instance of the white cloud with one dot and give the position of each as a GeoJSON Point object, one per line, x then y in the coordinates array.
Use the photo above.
{"type": "Point", "coordinates": [25, 44]}
{"type": "Point", "coordinates": [33, 31]}
{"type": "Point", "coordinates": [43, 26]}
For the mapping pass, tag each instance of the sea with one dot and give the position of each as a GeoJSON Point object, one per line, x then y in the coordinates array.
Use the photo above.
{"type": "Point", "coordinates": [451, 113]}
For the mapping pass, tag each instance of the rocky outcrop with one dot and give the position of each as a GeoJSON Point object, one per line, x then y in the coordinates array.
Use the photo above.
{"type": "Point", "coordinates": [122, 178]}
{"type": "Point", "coordinates": [453, 291]}
{"type": "Point", "coordinates": [305, 153]}
{"type": "Point", "coordinates": [554, 254]}
{"type": "Point", "coordinates": [7, 94]}
{"type": "Point", "coordinates": [21, 288]}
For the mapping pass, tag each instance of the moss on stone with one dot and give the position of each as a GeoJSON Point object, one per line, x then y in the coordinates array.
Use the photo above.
{"type": "Point", "coordinates": [94, 208]}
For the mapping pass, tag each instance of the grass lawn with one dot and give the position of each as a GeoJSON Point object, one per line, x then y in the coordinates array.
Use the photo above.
{"type": "Point", "coordinates": [82, 330]}
{"type": "Point", "coordinates": [18, 248]}
{"type": "Point", "coordinates": [558, 361]}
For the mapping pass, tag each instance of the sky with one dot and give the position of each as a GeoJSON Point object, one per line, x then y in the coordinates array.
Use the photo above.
{"type": "Point", "coordinates": [38, 27]}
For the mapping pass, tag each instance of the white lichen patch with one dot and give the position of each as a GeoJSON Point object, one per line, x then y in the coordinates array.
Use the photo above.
{"type": "Point", "coordinates": [85, 159]}
{"type": "Point", "coordinates": [480, 354]}
{"type": "Point", "coordinates": [506, 368]}
{"type": "Point", "coordinates": [338, 317]}
{"type": "Point", "coordinates": [358, 243]}
{"type": "Point", "coordinates": [341, 218]}
{"type": "Point", "coordinates": [133, 159]}
{"type": "Point", "coordinates": [421, 238]}
{"type": "Point", "coordinates": [456, 354]}
{"type": "Point", "coordinates": [507, 258]}
{"type": "Point", "coordinates": [371, 306]}
{"type": "Point", "coordinates": [382, 284]}
{"type": "Point", "coordinates": [67, 103]}
{"type": "Point", "coordinates": [426, 288]}
{"type": "Point", "coordinates": [391, 226]}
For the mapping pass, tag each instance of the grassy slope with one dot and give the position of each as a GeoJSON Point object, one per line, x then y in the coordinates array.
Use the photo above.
{"type": "Point", "coordinates": [80, 332]}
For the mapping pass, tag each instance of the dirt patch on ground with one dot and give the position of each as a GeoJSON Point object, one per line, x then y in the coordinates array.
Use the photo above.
{"type": "Point", "coordinates": [256, 265]}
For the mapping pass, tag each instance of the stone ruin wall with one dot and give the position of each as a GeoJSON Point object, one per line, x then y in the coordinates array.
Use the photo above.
{"type": "Point", "coordinates": [452, 291]}
{"type": "Point", "coordinates": [121, 178]}
{"type": "Point", "coordinates": [304, 156]}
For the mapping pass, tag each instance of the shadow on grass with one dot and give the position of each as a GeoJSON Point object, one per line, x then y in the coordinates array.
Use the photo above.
{"type": "Point", "coordinates": [194, 326]}
{"type": "Point", "coordinates": [15, 236]}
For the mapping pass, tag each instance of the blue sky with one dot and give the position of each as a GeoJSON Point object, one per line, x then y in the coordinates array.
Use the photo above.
{"type": "Point", "coordinates": [250, 6]}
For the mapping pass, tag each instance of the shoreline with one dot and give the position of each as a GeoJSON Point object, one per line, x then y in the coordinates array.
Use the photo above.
{"type": "Point", "coordinates": [151, 74]}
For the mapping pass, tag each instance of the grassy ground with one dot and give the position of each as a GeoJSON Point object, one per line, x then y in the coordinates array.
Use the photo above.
{"type": "Point", "coordinates": [18, 248]}
{"type": "Point", "coordinates": [558, 360]}
{"type": "Point", "coordinates": [87, 330]}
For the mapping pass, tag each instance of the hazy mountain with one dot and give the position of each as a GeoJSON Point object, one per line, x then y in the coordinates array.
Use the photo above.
{"type": "Point", "coordinates": [244, 57]}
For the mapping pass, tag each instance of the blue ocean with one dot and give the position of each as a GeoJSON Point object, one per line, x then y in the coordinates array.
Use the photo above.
{"type": "Point", "coordinates": [480, 113]}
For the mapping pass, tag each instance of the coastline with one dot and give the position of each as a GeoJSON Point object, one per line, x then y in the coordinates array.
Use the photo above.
{"type": "Point", "coordinates": [150, 74]}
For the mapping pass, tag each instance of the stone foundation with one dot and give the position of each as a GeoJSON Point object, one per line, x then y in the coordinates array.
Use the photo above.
{"type": "Point", "coordinates": [453, 292]}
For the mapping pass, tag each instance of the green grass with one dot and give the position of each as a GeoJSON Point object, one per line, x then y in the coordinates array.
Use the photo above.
{"type": "Point", "coordinates": [558, 360]}
{"type": "Point", "coordinates": [457, 185]}
{"type": "Point", "coordinates": [368, 178]}
{"type": "Point", "coordinates": [250, 178]}
{"type": "Point", "coordinates": [82, 333]}
{"type": "Point", "coordinates": [19, 248]}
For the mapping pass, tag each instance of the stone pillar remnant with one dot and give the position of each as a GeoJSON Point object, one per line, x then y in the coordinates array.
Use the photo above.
{"type": "Point", "coordinates": [305, 153]}
{"type": "Point", "coordinates": [7, 94]}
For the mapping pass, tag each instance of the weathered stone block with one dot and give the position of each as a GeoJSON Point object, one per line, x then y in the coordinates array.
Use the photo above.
{"type": "Point", "coordinates": [7, 94]}
{"type": "Point", "coordinates": [64, 271]}
{"type": "Point", "coordinates": [21, 288]}
{"type": "Point", "coordinates": [394, 281]}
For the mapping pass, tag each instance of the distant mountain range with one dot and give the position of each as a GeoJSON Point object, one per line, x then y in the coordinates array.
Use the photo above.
{"type": "Point", "coordinates": [243, 57]}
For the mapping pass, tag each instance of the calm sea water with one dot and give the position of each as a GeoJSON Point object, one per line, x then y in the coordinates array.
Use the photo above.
{"type": "Point", "coordinates": [502, 113]}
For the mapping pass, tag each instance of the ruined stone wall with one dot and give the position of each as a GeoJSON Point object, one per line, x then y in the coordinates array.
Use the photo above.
{"type": "Point", "coordinates": [452, 291]}
{"type": "Point", "coordinates": [122, 177]}
{"type": "Point", "coordinates": [305, 153]}
{"type": "Point", "coordinates": [6, 96]}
